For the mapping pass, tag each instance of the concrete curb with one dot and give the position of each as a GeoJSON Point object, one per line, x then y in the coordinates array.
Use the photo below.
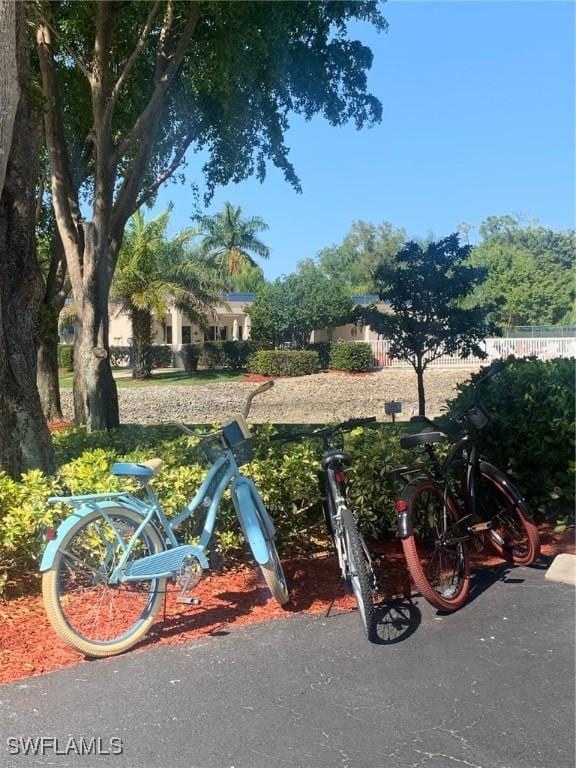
{"type": "Point", "coordinates": [562, 569]}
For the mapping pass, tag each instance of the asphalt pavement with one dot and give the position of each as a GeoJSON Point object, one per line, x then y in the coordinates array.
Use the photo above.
{"type": "Point", "coordinates": [491, 686]}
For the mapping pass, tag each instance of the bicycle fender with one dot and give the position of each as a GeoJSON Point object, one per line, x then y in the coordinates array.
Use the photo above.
{"type": "Point", "coordinates": [66, 525]}
{"type": "Point", "coordinates": [515, 496]}
{"type": "Point", "coordinates": [250, 520]}
{"type": "Point", "coordinates": [404, 519]}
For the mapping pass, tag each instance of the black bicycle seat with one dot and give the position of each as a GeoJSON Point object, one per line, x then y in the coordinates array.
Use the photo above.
{"type": "Point", "coordinates": [422, 438]}
{"type": "Point", "coordinates": [334, 454]}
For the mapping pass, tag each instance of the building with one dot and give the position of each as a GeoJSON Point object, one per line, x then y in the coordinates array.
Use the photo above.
{"type": "Point", "coordinates": [228, 321]}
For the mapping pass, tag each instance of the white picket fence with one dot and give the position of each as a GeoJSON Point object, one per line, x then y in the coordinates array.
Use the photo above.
{"type": "Point", "coordinates": [543, 349]}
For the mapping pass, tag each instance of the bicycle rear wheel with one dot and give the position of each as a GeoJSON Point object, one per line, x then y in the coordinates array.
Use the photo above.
{"type": "Point", "coordinates": [440, 569]}
{"type": "Point", "coordinates": [90, 614]}
{"type": "Point", "coordinates": [513, 535]}
{"type": "Point", "coordinates": [360, 573]}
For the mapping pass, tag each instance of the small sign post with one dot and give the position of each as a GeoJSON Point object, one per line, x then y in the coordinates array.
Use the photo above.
{"type": "Point", "coordinates": [392, 407]}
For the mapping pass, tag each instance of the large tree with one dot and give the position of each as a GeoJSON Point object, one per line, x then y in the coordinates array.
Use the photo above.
{"type": "Point", "coordinates": [424, 289]}
{"type": "Point", "coordinates": [142, 83]}
{"type": "Point", "coordinates": [529, 272]}
{"type": "Point", "coordinates": [154, 272]}
{"type": "Point", "coordinates": [231, 240]}
{"type": "Point", "coordinates": [354, 261]}
{"type": "Point", "coordinates": [291, 307]}
{"type": "Point", "coordinates": [24, 437]}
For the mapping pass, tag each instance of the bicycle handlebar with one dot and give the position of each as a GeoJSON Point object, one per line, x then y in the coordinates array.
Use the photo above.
{"type": "Point", "coordinates": [245, 411]}
{"type": "Point", "coordinates": [326, 431]}
{"type": "Point", "coordinates": [262, 388]}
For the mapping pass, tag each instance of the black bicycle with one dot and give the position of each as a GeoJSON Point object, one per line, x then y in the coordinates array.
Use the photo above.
{"type": "Point", "coordinates": [459, 500]}
{"type": "Point", "coordinates": [353, 555]}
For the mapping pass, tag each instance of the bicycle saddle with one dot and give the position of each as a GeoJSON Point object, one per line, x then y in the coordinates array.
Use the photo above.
{"type": "Point", "coordinates": [334, 454]}
{"type": "Point", "coordinates": [142, 469]}
{"type": "Point", "coordinates": [422, 438]}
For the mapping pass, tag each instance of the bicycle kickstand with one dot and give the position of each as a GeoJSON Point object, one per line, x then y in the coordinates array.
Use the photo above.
{"type": "Point", "coordinates": [340, 583]}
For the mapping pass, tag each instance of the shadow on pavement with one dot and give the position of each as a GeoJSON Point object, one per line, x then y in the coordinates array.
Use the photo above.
{"type": "Point", "coordinates": [396, 621]}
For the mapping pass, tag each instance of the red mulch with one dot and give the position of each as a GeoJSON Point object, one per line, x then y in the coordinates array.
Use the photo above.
{"type": "Point", "coordinates": [258, 378]}
{"type": "Point", "coordinates": [55, 426]}
{"type": "Point", "coordinates": [28, 645]}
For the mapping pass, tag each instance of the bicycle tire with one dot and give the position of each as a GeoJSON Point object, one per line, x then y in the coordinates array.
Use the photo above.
{"type": "Point", "coordinates": [441, 573]}
{"type": "Point", "coordinates": [359, 575]}
{"type": "Point", "coordinates": [66, 615]}
{"type": "Point", "coordinates": [515, 538]}
{"type": "Point", "coordinates": [274, 575]}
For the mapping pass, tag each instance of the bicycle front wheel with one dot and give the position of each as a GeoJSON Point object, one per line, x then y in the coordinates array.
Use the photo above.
{"type": "Point", "coordinates": [90, 614]}
{"type": "Point", "coordinates": [512, 535]}
{"type": "Point", "coordinates": [274, 575]}
{"type": "Point", "coordinates": [360, 573]}
{"type": "Point", "coordinates": [439, 566]}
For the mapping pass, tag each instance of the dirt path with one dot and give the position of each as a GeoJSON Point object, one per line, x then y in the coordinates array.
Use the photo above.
{"type": "Point", "coordinates": [306, 399]}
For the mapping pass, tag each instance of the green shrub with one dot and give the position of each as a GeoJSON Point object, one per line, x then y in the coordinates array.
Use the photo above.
{"type": "Point", "coordinates": [161, 356]}
{"type": "Point", "coordinates": [352, 356]}
{"type": "Point", "coordinates": [227, 354]}
{"type": "Point", "coordinates": [190, 354]}
{"type": "Point", "coordinates": [277, 362]}
{"type": "Point", "coordinates": [324, 349]}
{"type": "Point", "coordinates": [66, 357]}
{"type": "Point", "coordinates": [531, 430]}
{"type": "Point", "coordinates": [285, 473]}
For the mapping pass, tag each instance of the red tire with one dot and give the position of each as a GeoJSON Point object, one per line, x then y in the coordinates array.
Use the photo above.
{"type": "Point", "coordinates": [440, 571]}
{"type": "Point", "coordinates": [513, 535]}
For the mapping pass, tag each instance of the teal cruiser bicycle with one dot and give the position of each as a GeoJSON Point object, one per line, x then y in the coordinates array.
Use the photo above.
{"type": "Point", "coordinates": [106, 567]}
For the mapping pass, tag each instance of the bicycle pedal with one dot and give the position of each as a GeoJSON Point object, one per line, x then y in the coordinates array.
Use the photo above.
{"type": "Point", "coordinates": [189, 600]}
{"type": "Point", "coordinates": [480, 527]}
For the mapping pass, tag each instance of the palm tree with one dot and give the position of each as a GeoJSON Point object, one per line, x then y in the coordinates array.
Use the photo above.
{"type": "Point", "coordinates": [229, 240]}
{"type": "Point", "coordinates": [152, 272]}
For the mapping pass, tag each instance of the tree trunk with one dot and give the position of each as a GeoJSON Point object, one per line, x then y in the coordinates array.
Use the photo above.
{"type": "Point", "coordinates": [57, 290]}
{"type": "Point", "coordinates": [421, 397]}
{"type": "Point", "coordinates": [47, 378]}
{"type": "Point", "coordinates": [25, 441]}
{"type": "Point", "coordinates": [95, 393]}
{"type": "Point", "coordinates": [9, 88]}
{"type": "Point", "coordinates": [142, 343]}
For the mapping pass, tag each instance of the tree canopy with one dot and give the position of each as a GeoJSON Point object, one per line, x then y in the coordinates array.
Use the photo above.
{"type": "Point", "coordinates": [424, 288]}
{"type": "Point", "coordinates": [153, 272]}
{"type": "Point", "coordinates": [290, 308]}
{"type": "Point", "coordinates": [230, 240]}
{"type": "Point", "coordinates": [354, 261]}
{"type": "Point", "coordinates": [529, 272]}
{"type": "Point", "coordinates": [130, 87]}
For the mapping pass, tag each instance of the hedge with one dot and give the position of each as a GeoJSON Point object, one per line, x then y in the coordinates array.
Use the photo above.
{"type": "Point", "coordinates": [66, 357]}
{"type": "Point", "coordinates": [530, 434]}
{"type": "Point", "coordinates": [226, 354]}
{"type": "Point", "coordinates": [353, 356]}
{"type": "Point", "coordinates": [190, 355]}
{"type": "Point", "coordinates": [280, 362]}
{"type": "Point", "coordinates": [323, 348]}
{"type": "Point", "coordinates": [285, 473]}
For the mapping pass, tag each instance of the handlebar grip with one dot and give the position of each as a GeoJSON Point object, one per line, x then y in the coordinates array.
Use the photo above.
{"type": "Point", "coordinates": [358, 422]}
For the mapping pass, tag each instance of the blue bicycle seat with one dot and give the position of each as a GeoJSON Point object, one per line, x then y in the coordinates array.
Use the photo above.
{"type": "Point", "coordinates": [143, 469]}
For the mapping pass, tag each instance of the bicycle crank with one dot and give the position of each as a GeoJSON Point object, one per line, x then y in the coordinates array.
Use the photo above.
{"type": "Point", "coordinates": [188, 577]}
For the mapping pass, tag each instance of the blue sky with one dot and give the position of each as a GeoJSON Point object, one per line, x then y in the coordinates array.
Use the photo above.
{"type": "Point", "coordinates": [478, 120]}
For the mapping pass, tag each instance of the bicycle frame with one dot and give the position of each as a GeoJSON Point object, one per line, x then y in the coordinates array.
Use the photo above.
{"type": "Point", "coordinates": [335, 491]}
{"type": "Point", "coordinates": [251, 512]}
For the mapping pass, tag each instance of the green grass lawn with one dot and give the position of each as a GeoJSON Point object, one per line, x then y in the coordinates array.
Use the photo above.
{"type": "Point", "coordinates": [166, 377]}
